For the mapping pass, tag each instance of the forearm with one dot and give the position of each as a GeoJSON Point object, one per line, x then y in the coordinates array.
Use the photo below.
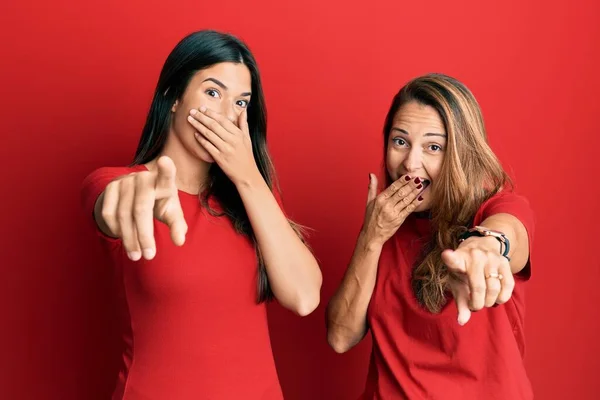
{"type": "Point", "coordinates": [347, 309]}
{"type": "Point", "coordinates": [293, 271]}
{"type": "Point", "coordinates": [515, 232]}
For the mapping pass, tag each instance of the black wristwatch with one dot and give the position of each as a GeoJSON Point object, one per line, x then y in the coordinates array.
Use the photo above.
{"type": "Point", "coordinates": [482, 231]}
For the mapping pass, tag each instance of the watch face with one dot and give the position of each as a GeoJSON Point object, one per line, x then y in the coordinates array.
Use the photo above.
{"type": "Point", "coordinates": [486, 231]}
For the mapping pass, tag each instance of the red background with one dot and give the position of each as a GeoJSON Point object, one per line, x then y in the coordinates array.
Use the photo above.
{"type": "Point", "coordinates": [77, 79]}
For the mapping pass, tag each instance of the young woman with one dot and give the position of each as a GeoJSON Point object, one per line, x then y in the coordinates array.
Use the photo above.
{"type": "Point", "coordinates": [197, 235]}
{"type": "Point", "coordinates": [448, 236]}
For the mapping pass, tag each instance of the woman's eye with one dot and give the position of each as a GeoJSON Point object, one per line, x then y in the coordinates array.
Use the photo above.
{"type": "Point", "coordinates": [435, 147]}
{"type": "Point", "coordinates": [242, 103]}
{"type": "Point", "coordinates": [399, 141]}
{"type": "Point", "coordinates": [212, 93]}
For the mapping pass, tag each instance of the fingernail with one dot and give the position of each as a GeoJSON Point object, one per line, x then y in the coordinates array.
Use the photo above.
{"type": "Point", "coordinates": [408, 178]}
{"type": "Point", "coordinates": [148, 253]}
{"type": "Point", "coordinates": [193, 111]}
{"type": "Point", "coordinates": [134, 255]}
{"type": "Point", "coordinates": [420, 186]}
{"type": "Point", "coordinates": [420, 198]}
{"type": "Point", "coordinates": [417, 180]}
{"type": "Point", "coordinates": [203, 109]}
{"type": "Point", "coordinates": [190, 118]}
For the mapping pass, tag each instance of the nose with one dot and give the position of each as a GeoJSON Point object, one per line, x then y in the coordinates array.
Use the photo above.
{"type": "Point", "coordinates": [413, 161]}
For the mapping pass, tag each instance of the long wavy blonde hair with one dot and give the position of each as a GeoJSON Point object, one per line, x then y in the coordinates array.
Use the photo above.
{"type": "Point", "coordinates": [470, 174]}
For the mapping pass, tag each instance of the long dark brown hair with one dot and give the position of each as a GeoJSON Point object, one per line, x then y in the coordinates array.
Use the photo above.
{"type": "Point", "coordinates": [470, 174]}
{"type": "Point", "coordinates": [195, 52]}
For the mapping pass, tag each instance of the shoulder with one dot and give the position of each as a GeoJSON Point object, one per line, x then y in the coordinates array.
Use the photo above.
{"type": "Point", "coordinates": [110, 173]}
{"type": "Point", "coordinates": [506, 198]}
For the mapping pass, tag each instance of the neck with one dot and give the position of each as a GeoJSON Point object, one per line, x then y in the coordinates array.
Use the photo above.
{"type": "Point", "coordinates": [192, 172]}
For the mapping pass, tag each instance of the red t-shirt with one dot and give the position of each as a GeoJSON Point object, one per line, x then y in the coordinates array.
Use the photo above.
{"type": "Point", "coordinates": [192, 328]}
{"type": "Point", "coordinates": [420, 355]}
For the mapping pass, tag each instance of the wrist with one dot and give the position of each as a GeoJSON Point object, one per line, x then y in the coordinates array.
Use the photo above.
{"type": "Point", "coordinates": [481, 242]}
{"type": "Point", "coordinates": [369, 242]}
{"type": "Point", "coordinates": [250, 181]}
{"type": "Point", "coordinates": [480, 232]}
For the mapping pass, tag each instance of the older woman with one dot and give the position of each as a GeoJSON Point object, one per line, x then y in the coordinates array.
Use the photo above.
{"type": "Point", "coordinates": [448, 236]}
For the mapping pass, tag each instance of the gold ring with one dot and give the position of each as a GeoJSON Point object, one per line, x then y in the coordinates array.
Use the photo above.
{"type": "Point", "coordinates": [494, 275]}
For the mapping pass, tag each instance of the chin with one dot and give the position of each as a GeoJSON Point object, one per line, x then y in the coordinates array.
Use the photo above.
{"type": "Point", "coordinates": [205, 156]}
{"type": "Point", "coordinates": [422, 207]}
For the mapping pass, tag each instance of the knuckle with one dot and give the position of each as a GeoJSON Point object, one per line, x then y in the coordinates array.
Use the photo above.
{"type": "Point", "coordinates": [143, 176]}
{"type": "Point", "coordinates": [107, 214]}
{"type": "Point", "coordinates": [123, 215]}
{"type": "Point", "coordinates": [478, 289]}
{"type": "Point", "coordinates": [111, 186]}
{"type": "Point", "coordinates": [126, 183]}
{"type": "Point", "coordinates": [477, 254]}
{"type": "Point", "coordinates": [387, 208]}
{"type": "Point", "coordinates": [140, 209]}
{"type": "Point", "coordinates": [493, 290]}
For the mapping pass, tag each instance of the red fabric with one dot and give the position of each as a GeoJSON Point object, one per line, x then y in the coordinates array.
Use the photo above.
{"type": "Point", "coordinates": [192, 328]}
{"type": "Point", "coordinates": [420, 355]}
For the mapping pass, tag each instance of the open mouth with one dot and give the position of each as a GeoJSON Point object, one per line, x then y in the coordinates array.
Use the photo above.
{"type": "Point", "coordinates": [426, 182]}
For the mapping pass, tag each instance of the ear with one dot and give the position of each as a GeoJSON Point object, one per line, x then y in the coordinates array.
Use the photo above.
{"type": "Point", "coordinates": [174, 108]}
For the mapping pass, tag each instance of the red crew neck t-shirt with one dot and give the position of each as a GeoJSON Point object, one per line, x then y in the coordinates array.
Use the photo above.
{"type": "Point", "coordinates": [420, 355]}
{"type": "Point", "coordinates": [191, 325]}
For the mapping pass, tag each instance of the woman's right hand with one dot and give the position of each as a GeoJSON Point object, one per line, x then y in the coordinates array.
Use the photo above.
{"type": "Point", "coordinates": [388, 210]}
{"type": "Point", "coordinates": [131, 202]}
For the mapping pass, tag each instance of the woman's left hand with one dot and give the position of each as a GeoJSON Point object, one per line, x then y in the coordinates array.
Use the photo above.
{"type": "Point", "coordinates": [229, 145]}
{"type": "Point", "coordinates": [485, 277]}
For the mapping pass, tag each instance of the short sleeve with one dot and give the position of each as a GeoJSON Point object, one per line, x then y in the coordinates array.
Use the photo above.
{"type": "Point", "coordinates": [508, 202]}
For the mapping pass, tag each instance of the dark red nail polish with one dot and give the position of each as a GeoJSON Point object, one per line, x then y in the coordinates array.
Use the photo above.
{"type": "Point", "coordinates": [420, 198]}
{"type": "Point", "coordinates": [417, 180]}
{"type": "Point", "coordinates": [407, 178]}
{"type": "Point", "coordinates": [420, 186]}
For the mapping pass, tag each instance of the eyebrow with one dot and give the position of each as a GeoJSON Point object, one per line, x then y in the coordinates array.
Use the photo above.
{"type": "Point", "coordinates": [222, 86]}
{"type": "Point", "coordinates": [427, 134]}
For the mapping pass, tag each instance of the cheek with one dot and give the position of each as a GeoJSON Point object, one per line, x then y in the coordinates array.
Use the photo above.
{"type": "Point", "coordinates": [194, 100]}
{"type": "Point", "coordinates": [434, 167]}
{"type": "Point", "coordinates": [393, 161]}
{"type": "Point", "coordinates": [180, 124]}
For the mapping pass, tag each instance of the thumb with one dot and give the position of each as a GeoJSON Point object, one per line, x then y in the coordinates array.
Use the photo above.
{"type": "Point", "coordinates": [454, 261]}
{"type": "Point", "coordinates": [372, 188]}
{"type": "Point", "coordinates": [460, 291]}
{"type": "Point", "coordinates": [165, 179]}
